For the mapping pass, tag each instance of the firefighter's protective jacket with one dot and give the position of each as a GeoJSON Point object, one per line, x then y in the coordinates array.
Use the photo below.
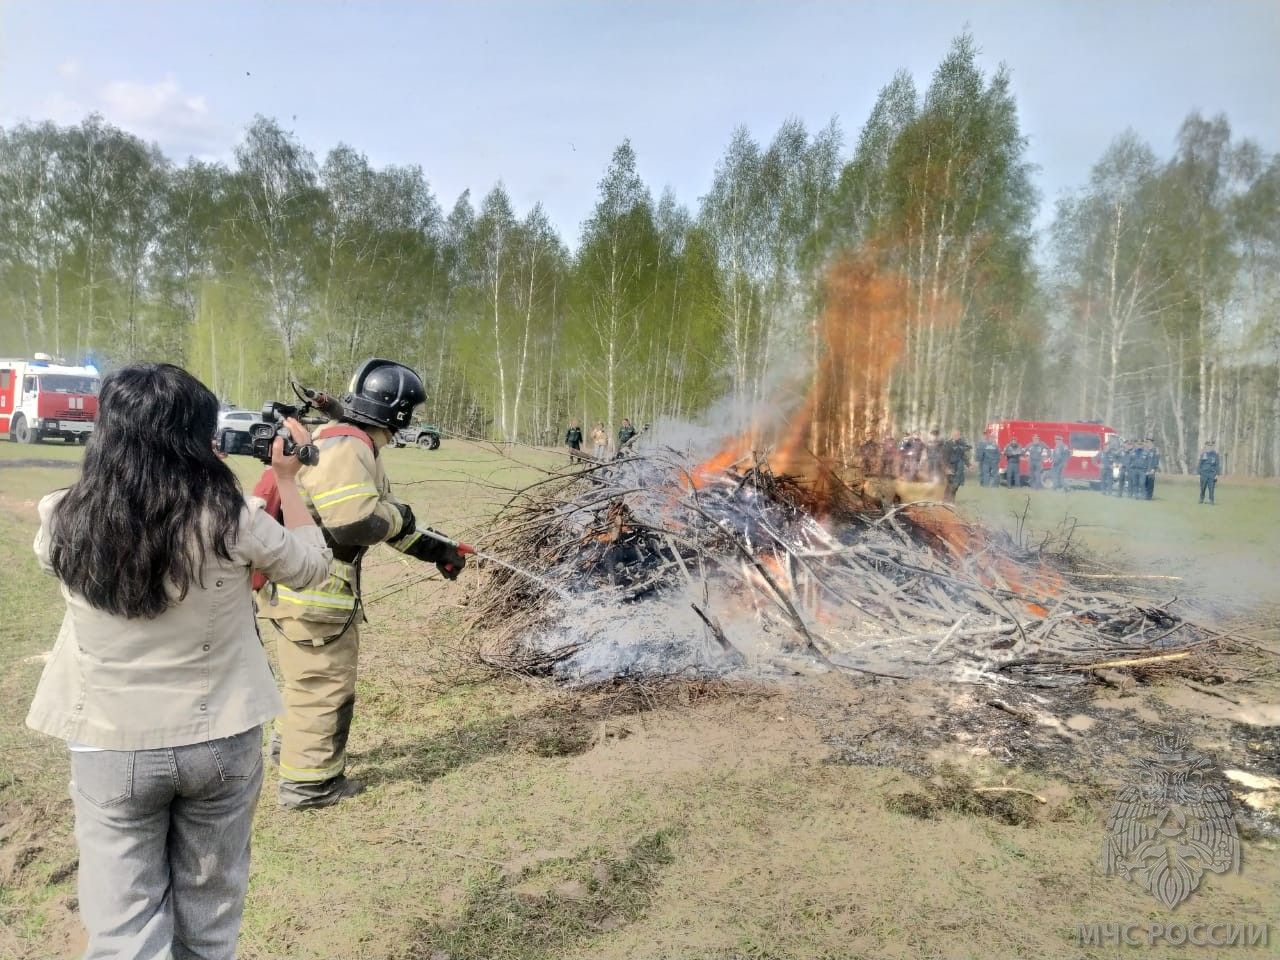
{"type": "Point", "coordinates": [349, 496]}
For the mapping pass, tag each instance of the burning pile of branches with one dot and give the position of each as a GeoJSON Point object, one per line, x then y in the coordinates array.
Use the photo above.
{"type": "Point", "coordinates": [655, 566]}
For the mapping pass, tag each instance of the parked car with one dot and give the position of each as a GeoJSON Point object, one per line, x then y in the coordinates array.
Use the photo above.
{"type": "Point", "coordinates": [422, 435]}
{"type": "Point", "coordinates": [233, 429]}
{"type": "Point", "coordinates": [237, 419]}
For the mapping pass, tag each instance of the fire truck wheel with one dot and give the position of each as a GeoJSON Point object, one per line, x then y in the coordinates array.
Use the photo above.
{"type": "Point", "coordinates": [21, 432]}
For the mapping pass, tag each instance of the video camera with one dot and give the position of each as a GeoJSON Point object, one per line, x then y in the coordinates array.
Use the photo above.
{"type": "Point", "coordinates": [274, 413]}
{"type": "Point", "coordinates": [263, 435]}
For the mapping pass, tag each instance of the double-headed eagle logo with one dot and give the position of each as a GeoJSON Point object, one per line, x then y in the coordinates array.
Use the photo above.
{"type": "Point", "coordinates": [1171, 825]}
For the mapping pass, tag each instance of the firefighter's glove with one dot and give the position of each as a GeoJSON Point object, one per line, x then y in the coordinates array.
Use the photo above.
{"type": "Point", "coordinates": [451, 563]}
{"type": "Point", "coordinates": [447, 558]}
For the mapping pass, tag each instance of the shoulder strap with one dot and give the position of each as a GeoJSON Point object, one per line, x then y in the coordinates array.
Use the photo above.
{"type": "Point", "coordinates": [347, 430]}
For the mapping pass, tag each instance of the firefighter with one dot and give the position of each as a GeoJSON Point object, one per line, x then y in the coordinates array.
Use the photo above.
{"type": "Point", "coordinates": [1209, 467]}
{"type": "Point", "coordinates": [573, 440]}
{"type": "Point", "coordinates": [1036, 451]}
{"type": "Point", "coordinates": [934, 455]}
{"type": "Point", "coordinates": [1136, 484]}
{"type": "Point", "coordinates": [1061, 454]}
{"type": "Point", "coordinates": [349, 496]}
{"type": "Point", "coordinates": [910, 456]}
{"type": "Point", "coordinates": [1153, 467]}
{"type": "Point", "coordinates": [955, 457]}
{"type": "Point", "coordinates": [1107, 461]}
{"type": "Point", "coordinates": [1012, 454]}
{"type": "Point", "coordinates": [626, 433]}
{"type": "Point", "coordinates": [1125, 459]}
{"type": "Point", "coordinates": [988, 460]}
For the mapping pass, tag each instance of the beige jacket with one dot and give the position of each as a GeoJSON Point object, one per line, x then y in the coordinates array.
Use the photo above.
{"type": "Point", "coordinates": [197, 672]}
{"type": "Point", "coordinates": [349, 495]}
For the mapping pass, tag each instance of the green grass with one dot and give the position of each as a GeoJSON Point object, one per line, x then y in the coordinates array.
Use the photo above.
{"type": "Point", "coordinates": [1224, 554]}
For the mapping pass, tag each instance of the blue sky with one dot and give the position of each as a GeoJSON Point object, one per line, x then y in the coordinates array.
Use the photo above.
{"type": "Point", "coordinates": [538, 94]}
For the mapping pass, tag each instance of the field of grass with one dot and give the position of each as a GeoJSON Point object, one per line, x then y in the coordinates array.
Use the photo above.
{"type": "Point", "coordinates": [511, 821]}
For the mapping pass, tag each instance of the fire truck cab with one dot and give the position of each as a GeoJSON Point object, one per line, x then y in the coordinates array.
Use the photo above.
{"type": "Point", "coordinates": [1085, 438]}
{"type": "Point", "coordinates": [43, 397]}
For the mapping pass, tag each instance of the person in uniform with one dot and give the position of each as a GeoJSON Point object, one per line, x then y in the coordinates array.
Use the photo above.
{"type": "Point", "coordinates": [910, 456]}
{"type": "Point", "coordinates": [573, 440]}
{"type": "Point", "coordinates": [1107, 461]}
{"type": "Point", "coordinates": [1061, 454]}
{"type": "Point", "coordinates": [1136, 485]}
{"type": "Point", "coordinates": [1012, 456]}
{"type": "Point", "coordinates": [955, 457]}
{"type": "Point", "coordinates": [1209, 467]}
{"type": "Point", "coordinates": [934, 455]}
{"type": "Point", "coordinates": [988, 454]}
{"type": "Point", "coordinates": [1153, 467]}
{"type": "Point", "coordinates": [626, 433]}
{"type": "Point", "coordinates": [1036, 451]}
{"type": "Point", "coordinates": [349, 495]}
{"type": "Point", "coordinates": [1123, 458]}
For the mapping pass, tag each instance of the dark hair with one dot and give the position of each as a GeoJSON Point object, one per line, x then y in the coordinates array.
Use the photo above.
{"type": "Point", "coordinates": [152, 499]}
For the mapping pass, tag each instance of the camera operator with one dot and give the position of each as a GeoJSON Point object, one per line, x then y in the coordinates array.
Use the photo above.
{"type": "Point", "coordinates": [158, 680]}
{"type": "Point", "coordinates": [350, 496]}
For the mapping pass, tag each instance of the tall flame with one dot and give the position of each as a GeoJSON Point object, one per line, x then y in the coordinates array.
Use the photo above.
{"type": "Point", "coordinates": [862, 334]}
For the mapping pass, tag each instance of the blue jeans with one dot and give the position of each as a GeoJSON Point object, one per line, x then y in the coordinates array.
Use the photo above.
{"type": "Point", "coordinates": [164, 847]}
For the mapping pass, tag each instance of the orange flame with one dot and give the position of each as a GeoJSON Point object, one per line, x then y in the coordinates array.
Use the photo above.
{"type": "Point", "coordinates": [862, 334]}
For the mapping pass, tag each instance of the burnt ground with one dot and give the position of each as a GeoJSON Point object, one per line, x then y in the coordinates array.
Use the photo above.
{"type": "Point", "coordinates": [1085, 736]}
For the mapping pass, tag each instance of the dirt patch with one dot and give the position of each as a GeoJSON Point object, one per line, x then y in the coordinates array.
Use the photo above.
{"type": "Point", "coordinates": [757, 731]}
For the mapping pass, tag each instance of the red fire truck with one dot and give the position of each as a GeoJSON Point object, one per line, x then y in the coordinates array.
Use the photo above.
{"type": "Point", "coordinates": [1085, 438]}
{"type": "Point", "coordinates": [43, 397]}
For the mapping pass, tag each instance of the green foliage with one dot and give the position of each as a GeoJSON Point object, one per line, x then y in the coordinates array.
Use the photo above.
{"type": "Point", "coordinates": [1167, 282]}
{"type": "Point", "coordinates": [1159, 313]}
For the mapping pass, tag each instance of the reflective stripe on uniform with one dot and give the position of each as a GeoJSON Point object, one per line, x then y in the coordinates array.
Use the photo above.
{"type": "Point", "coordinates": [352, 491]}
{"type": "Point", "coordinates": [317, 598]}
{"type": "Point", "coordinates": [409, 541]}
{"type": "Point", "coordinates": [340, 598]}
{"type": "Point", "coordinates": [312, 774]}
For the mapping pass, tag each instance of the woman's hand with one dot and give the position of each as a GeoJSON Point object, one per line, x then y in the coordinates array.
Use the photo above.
{"type": "Point", "coordinates": [287, 467]}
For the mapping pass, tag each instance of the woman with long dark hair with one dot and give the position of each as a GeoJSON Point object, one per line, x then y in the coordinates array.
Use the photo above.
{"type": "Point", "coordinates": [158, 680]}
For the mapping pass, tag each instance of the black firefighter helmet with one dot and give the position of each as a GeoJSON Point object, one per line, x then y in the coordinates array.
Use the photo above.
{"type": "Point", "coordinates": [383, 393]}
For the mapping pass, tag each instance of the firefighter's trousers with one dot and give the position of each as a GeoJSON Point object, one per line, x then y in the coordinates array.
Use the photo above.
{"type": "Point", "coordinates": [319, 689]}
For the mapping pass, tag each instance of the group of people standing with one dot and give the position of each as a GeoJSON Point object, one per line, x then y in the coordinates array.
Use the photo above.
{"type": "Point", "coordinates": [916, 460]}
{"type": "Point", "coordinates": [1129, 468]}
{"type": "Point", "coordinates": [600, 443]}
{"type": "Point", "coordinates": [1042, 461]}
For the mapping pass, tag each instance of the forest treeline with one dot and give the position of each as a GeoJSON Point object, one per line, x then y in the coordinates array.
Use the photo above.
{"type": "Point", "coordinates": [1153, 302]}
